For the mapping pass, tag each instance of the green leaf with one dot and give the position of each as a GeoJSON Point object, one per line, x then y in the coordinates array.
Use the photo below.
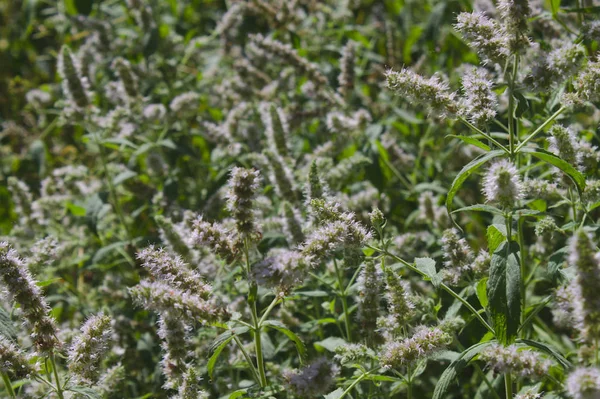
{"type": "Point", "coordinates": [427, 266]}
{"type": "Point", "coordinates": [151, 42]}
{"type": "Point", "coordinates": [106, 250]}
{"type": "Point", "coordinates": [75, 210]}
{"type": "Point", "coordinates": [119, 142]}
{"type": "Point", "coordinates": [480, 208]}
{"type": "Point", "coordinates": [379, 377]}
{"type": "Point", "coordinates": [316, 293]}
{"type": "Point", "coordinates": [451, 373]}
{"type": "Point", "coordinates": [526, 212]}
{"type": "Point", "coordinates": [238, 394]}
{"type": "Point", "coordinates": [330, 344]}
{"type": "Point", "coordinates": [577, 177]}
{"type": "Point", "coordinates": [121, 177]}
{"type": "Point", "coordinates": [538, 205]}
{"type": "Point", "coordinates": [84, 7]}
{"type": "Point", "coordinates": [549, 350]}
{"type": "Point", "coordinates": [495, 237]}
{"type": "Point", "coordinates": [585, 10]}
{"type": "Point", "coordinates": [482, 292]}
{"type": "Point", "coordinates": [46, 283]}
{"type": "Point", "coordinates": [85, 391]}
{"type": "Point", "coordinates": [93, 208]}
{"type": "Point", "coordinates": [465, 172]}
{"type": "Point", "coordinates": [70, 7]}
{"type": "Point", "coordinates": [522, 105]}
{"type": "Point", "coordinates": [7, 328]}
{"type": "Point", "coordinates": [167, 143]}
{"type": "Point", "coordinates": [219, 344]}
{"type": "Point", "coordinates": [472, 141]}
{"type": "Point", "coordinates": [282, 328]}
{"type": "Point", "coordinates": [504, 291]}
{"type": "Point", "coordinates": [337, 394]}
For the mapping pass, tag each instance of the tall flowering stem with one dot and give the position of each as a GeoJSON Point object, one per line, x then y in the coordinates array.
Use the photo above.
{"type": "Point", "coordinates": [59, 390]}
{"type": "Point", "coordinates": [252, 300]}
{"type": "Point", "coordinates": [512, 124]}
{"type": "Point", "coordinates": [344, 298]}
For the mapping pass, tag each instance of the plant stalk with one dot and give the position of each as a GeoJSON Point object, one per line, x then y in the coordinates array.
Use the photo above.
{"type": "Point", "coordinates": [258, 347]}
{"type": "Point", "coordinates": [59, 390]}
{"type": "Point", "coordinates": [484, 134]}
{"type": "Point", "coordinates": [355, 382]}
{"type": "Point", "coordinates": [508, 385]}
{"type": "Point", "coordinates": [522, 260]}
{"type": "Point", "coordinates": [344, 299]}
{"type": "Point", "coordinates": [248, 359]}
{"type": "Point", "coordinates": [255, 321]}
{"type": "Point", "coordinates": [540, 128]}
{"type": "Point", "coordinates": [511, 108]}
{"type": "Point", "coordinates": [268, 310]}
{"type": "Point", "coordinates": [8, 386]}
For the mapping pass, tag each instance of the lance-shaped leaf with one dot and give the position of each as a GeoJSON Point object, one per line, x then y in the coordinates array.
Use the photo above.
{"type": "Point", "coordinates": [472, 141]}
{"type": "Point", "coordinates": [504, 291]}
{"type": "Point", "coordinates": [219, 344]}
{"type": "Point", "coordinates": [495, 236]}
{"type": "Point", "coordinates": [282, 328]}
{"type": "Point", "coordinates": [427, 266]}
{"type": "Point", "coordinates": [548, 157]}
{"type": "Point", "coordinates": [450, 375]}
{"type": "Point", "coordinates": [465, 172]}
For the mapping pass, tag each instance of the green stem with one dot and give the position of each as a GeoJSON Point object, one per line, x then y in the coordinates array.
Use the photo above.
{"type": "Point", "coordinates": [540, 128]}
{"type": "Point", "coordinates": [409, 387]}
{"type": "Point", "coordinates": [484, 134]}
{"type": "Point", "coordinates": [111, 187]}
{"type": "Point", "coordinates": [511, 107]}
{"type": "Point", "coordinates": [344, 299]}
{"type": "Point", "coordinates": [59, 390]}
{"type": "Point", "coordinates": [502, 125]}
{"type": "Point", "coordinates": [49, 128]}
{"type": "Point", "coordinates": [534, 312]}
{"type": "Point", "coordinates": [399, 175]}
{"type": "Point", "coordinates": [573, 205]}
{"type": "Point", "coordinates": [248, 359]}
{"type": "Point", "coordinates": [8, 386]}
{"type": "Point", "coordinates": [242, 322]}
{"type": "Point", "coordinates": [253, 289]}
{"type": "Point", "coordinates": [508, 385]}
{"type": "Point", "coordinates": [442, 286]}
{"type": "Point", "coordinates": [355, 382]}
{"type": "Point", "coordinates": [522, 267]}
{"type": "Point", "coordinates": [269, 309]}
{"type": "Point", "coordinates": [532, 274]}
{"type": "Point", "coordinates": [468, 306]}
{"type": "Point", "coordinates": [45, 381]}
{"type": "Point", "coordinates": [509, 240]}
{"type": "Point", "coordinates": [486, 381]}
{"type": "Point", "coordinates": [420, 154]}
{"type": "Point", "coordinates": [479, 371]}
{"type": "Point", "coordinates": [258, 348]}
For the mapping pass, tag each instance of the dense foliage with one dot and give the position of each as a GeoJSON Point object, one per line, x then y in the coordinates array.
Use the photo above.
{"type": "Point", "coordinates": [299, 199]}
